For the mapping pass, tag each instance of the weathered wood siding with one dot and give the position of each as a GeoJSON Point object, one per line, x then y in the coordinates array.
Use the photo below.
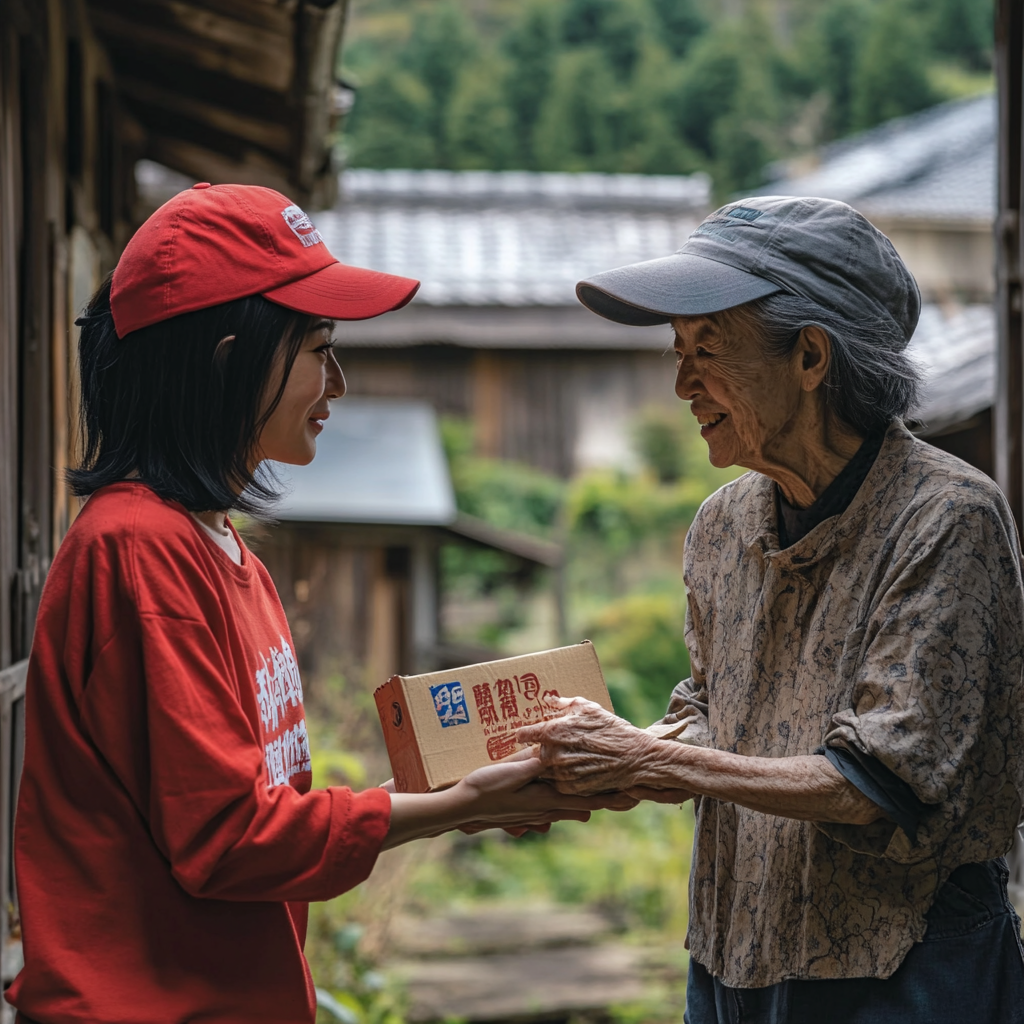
{"type": "Point", "coordinates": [557, 410]}
{"type": "Point", "coordinates": [65, 196]}
{"type": "Point", "coordinates": [361, 600]}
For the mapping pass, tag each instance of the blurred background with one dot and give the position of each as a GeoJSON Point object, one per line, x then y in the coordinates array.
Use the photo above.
{"type": "Point", "coordinates": [509, 472]}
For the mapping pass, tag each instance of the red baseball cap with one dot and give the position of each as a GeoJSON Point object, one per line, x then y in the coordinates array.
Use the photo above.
{"type": "Point", "coordinates": [216, 243]}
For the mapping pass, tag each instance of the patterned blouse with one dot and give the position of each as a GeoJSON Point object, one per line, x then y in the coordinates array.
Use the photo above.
{"type": "Point", "coordinates": [895, 629]}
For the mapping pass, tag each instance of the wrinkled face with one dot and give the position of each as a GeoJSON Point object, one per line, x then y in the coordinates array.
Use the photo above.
{"type": "Point", "coordinates": [746, 404]}
{"type": "Point", "coordinates": [290, 433]}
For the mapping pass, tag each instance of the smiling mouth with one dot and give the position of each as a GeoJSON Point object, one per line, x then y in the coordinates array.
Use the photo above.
{"type": "Point", "coordinates": [708, 422]}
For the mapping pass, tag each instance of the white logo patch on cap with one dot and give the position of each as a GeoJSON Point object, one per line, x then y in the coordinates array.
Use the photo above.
{"type": "Point", "coordinates": [301, 225]}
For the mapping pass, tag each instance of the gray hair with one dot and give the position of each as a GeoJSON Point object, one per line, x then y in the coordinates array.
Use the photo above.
{"type": "Point", "coordinates": [870, 380]}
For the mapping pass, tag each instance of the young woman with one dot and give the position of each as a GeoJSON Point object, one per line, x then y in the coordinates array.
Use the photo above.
{"type": "Point", "coordinates": [167, 835]}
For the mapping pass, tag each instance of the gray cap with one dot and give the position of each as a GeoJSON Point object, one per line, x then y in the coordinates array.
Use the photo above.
{"type": "Point", "coordinates": [820, 249]}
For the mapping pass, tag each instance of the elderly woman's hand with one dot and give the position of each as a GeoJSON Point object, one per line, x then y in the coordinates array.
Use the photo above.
{"type": "Point", "coordinates": [589, 750]}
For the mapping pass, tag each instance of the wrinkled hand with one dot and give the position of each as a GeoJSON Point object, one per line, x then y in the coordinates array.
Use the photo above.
{"type": "Point", "coordinates": [506, 794]}
{"type": "Point", "coordinates": [589, 750]}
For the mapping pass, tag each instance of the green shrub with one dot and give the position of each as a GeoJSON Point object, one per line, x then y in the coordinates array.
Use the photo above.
{"type": "Point", "coordinates": [622, 510]}
{"type": "Point", "coordinates": [361, 993]}
{"type": "Point", "coordinates": [504, 493]}
{"type": "Point", "coordinates": [633, 864]}
{"type": "Point", "coordinates": [640, 639]}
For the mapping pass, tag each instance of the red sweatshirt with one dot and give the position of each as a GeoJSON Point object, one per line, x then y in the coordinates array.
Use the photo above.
{"type": "Point", "coordinates": [166, 837]}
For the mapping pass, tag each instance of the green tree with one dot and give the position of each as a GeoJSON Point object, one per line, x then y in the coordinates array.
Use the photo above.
{"type": "Point", "coordinates": [614, 26]}
{"type": "Point", "coordinates": [480, 122]}
{"type": "Point", "coordinates": [963, 29]}
{"type": "Point", "coordinates": [708, 87]}
{"type": "Point", "coordinates": [531, 47]}
{"type": "Point", "coordinates": [840, 29]}
{"type": "Point", "coordinates": [441, 45]}
{"type": "Point", "coordinates": [658, 437]}
{"type": "Point", "coordinates": [681, 23]}
{"type": "Point", "coordinates": [576, 130]}
{"type": "Point", "coordinates": [648, 140]}
{"type": "Point", "coordinates": [646, 86]}
{"type": "Point", "coordinates": [643, 652]}
{"type": "Point", "coordinates": [727, 105]}
{"type": "Point", "coordinates": [389, 126]}
{"type": "Point", "coordinates": [891, 76]}
{"type": "Point", "coordinates": [745, 139]}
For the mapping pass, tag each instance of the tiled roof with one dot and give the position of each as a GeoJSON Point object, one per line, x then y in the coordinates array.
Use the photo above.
{"type": "Point", "coordinates": [508, 238]}
{"type": "Point", "coordinates": [378, 461]}
{"type": "Point", "coordinates": [938, 164]}
{"type": "Point", "coordinates": [957, 350]}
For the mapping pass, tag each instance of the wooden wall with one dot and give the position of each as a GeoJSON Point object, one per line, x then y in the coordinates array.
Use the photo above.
{"type": "Point", "coordinates": [553, 409]}
{"type": "Point", "coordinates": [65, 189]}
{"type": "Point", "coordinates": [951, 261]}
{"type": "Point", "coordinates": [360, 600]}
{"type": "Point", "coordinates": [65, 200]}
{"type": "Point", "coordinates": [1009, 408]}
{"type": "Point", "coordinates": [68, 146]}
{"type": "Point", "coordinates": [971, 441]}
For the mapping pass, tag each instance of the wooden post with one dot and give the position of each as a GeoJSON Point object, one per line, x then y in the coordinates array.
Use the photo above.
{"type": "Point", "coordinates": [425, 609]}
{"type": "Point", "coordinates": [1009, 412]}
{"type": "Point", "coordinates": [487, 404]}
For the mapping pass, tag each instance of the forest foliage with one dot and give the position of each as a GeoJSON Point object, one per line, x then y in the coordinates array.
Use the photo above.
{"type": "Point", "coordinates": [646, 86]}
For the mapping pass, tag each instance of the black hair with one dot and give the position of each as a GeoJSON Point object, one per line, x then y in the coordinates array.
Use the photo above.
{"type": "Point", "coordinates": [171, 406]}
{"type": "Point", "coordinates": [870, 379]}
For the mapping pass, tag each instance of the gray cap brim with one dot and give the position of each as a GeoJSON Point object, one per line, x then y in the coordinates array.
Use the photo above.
{"type": "Point", "coordinates": [683, 284]}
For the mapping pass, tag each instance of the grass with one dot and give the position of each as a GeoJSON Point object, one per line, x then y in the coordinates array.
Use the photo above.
{"type": "Point", "coordinates": [956, 82]}
{"type": "Point", "coordinates": [633, 867]}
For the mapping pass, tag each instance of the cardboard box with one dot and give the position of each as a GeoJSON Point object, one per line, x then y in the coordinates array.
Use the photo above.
{"type": "Point", "coordinates": [442, 725]}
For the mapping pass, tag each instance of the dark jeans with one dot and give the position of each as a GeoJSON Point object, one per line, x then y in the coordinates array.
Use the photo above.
{"type": "Point", "coordinates": [968, 968]}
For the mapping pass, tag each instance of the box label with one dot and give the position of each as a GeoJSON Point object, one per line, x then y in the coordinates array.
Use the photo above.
{"type": "Point", "coordinates": [450, 704]}
{"type": "Point", "coordinates": [506, 705]}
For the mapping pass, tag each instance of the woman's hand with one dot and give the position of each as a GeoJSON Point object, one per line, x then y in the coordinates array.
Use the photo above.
{"type": "Point", "coordinates": [471, 828]}
{"type": "Point", "coordinates": [590, 750]}
{"type": "Point", "coordinates": [503, 795]}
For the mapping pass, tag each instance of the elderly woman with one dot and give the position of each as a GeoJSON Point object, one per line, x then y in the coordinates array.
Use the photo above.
{"type": "Point", "coordinates": [852, 730]}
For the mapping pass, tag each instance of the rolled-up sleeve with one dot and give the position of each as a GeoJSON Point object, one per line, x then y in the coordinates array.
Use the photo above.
{"type": "Point", "coordinates": [937, 691]}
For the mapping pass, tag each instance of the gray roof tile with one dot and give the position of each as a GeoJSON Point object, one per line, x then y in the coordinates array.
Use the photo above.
{"type": "Point", "coordinates": [957, 350]}
{"type": "Point", "coordinates": [508, 238]}
{"type": "Point", "coordinates": [938, 164]}
{"type": "Point", "coordinates": [378, 461]}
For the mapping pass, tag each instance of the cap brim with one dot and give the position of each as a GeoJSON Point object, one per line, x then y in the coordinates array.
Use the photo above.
{"type": "Point", "coordinates": [683, 284]}
{"type": "Point", "coordinates": [340, 292]}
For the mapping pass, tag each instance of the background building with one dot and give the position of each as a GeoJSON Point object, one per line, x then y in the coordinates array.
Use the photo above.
{"type": "Point", "coordinates": [496, 333]}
